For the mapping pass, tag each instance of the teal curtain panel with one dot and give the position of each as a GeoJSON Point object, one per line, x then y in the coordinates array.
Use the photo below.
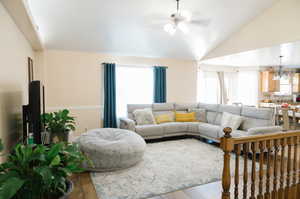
{"type": "Point", "coordinates": [110, 115]}
{"type": "Point", "coordinates": [160, 84]}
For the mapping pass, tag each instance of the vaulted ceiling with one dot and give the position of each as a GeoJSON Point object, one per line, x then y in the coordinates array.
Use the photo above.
{"type": "Point", "coordinates": [135, 28]}
{"type": "Point", "coordinates": [262, 57]}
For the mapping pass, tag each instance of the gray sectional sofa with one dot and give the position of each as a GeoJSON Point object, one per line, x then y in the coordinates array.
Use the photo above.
{"type": "Point", "coordinates": [255, 121]}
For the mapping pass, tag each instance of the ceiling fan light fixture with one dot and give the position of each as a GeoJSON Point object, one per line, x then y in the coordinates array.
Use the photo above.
{"type": "Point", "coordinates": [170, 28]}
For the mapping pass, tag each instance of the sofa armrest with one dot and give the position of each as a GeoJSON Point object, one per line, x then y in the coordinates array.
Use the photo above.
{"type": "Point", "coordinates": [264, 130]}
{"type": "Point", "coordinates": [126, 123]}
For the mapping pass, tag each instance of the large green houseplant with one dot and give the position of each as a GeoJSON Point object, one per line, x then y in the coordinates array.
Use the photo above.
{"type": "Point", "coordinates": [39, 172]}
{"type": "Point", "coordinates": [59, 124]}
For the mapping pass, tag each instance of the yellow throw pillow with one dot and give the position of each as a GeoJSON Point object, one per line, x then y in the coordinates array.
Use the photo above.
{"type": "Point", "coordinates": [163, 118]}
{"type": "Point", "coordinates": [186, 117]}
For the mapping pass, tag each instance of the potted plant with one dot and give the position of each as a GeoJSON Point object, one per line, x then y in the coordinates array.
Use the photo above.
{"type": "Point", "coordinates": [39, 171]}
{"type": "Point", "coordinates": [59, 124]}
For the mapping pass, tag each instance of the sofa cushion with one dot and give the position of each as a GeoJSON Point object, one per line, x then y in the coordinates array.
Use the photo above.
{"type": "Point", "coordinates": [264, 130]}
{"type": "Point", "coordinates": [192, 127]}
{"type": "Point", "coordinates": [231, 120]}
{"type": "Point", "coordinates": [211, 111]}
{"type": "Point", "coordinates": [218, 119]}
{"type": "Point", "coordinates": [211, 117]}
{"type": "Point", "coordinates": [209, 130]}
{"type": "Point", "coordinates": [236, 110]}
{"type": "Point", "coordinates": [230, 109]}
{"type": "Point", "coordinates": [133, 107]}
{"type": "Point", "coordinates": [253, 122]}
{"type": "Point", "coordinates": [185, 106]}
{"type": "Point", "coordinates": [174, 127]}
{"type": "Point", "coordinates": [209, 107]}
{"type": "Point", "coordinates": [144, 116]}
{"type": "Point", "coordinates": [163, 107]}
{"type": "Point", "coordinates": [150, 130]}
{"type": "Point", "coordinates": [259, 113]}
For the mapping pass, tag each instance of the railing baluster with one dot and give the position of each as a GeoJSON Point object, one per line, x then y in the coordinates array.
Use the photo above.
{"type": "Point", "coordinates": [267, 195]}
{"type": "Point", "coordinates": [262, 146]}
{"type": "Point", "coordinates": [237, 170]}
{"type": "Point", "coordinates": [245, 178]}
{"type": "Point", "coordinates": [253, 172]}
{"type": "Point", "coordinates": [281, 189]}
{"type": "Point", "coordinates": [288, 168]}
{"type": "Point", "coordinates": [295, 167]}
{"type": "Point", "coordinates": [275, 171]}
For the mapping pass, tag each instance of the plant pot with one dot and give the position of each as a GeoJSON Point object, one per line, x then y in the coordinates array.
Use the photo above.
{"type": "Point", "coordinates": [70, 186]}
{"type": "Point", "coordinates": [59, 137]}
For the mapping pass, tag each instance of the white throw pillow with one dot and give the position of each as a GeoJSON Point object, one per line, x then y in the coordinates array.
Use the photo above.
{"type": "Point", "coordinates": [144, 116]}
{"type": "Point", "coordinates": [231, 120]}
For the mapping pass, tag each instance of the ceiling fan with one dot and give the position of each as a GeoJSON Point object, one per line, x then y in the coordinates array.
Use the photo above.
{"type": "Point", "coordinates": [179, 21]}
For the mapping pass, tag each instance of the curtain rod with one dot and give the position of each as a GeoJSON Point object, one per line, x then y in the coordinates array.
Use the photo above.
{"type": "Point", "coordinates": [137, 65]}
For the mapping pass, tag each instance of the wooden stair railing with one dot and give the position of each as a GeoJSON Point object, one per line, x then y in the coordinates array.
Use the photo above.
{"type": "Point", "coordinates": [265, 166]}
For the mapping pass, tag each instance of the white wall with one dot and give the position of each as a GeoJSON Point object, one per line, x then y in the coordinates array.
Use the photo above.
{"type": "Point", "coordinates": [74, 80]}
{"type": "Point", "coordinates": [278, 24]}
{"type": "Point", "coordinates": [14, 50]}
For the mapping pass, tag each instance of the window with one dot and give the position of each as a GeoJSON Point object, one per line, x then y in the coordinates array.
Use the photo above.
{"type": "Point", "coordinates": [134, 85]}
{"type": "Point", "coordinates": [285, 86]}
{"type": "Point", "coordinates": [240, 87]}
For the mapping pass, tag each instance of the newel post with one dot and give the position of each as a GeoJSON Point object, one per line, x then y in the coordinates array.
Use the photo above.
{"type": "Point", "coordinates": [227, 146]}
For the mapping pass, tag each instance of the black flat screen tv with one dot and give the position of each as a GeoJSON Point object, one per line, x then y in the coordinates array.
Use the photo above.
{"type": "Point", "coordinates": [32, 112]}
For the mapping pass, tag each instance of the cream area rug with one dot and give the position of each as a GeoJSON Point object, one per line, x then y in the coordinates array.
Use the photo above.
{"type": "Point", "coordinates": [167, 166]}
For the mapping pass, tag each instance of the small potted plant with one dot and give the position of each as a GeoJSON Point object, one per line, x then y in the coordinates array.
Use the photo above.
{"type": "Point", "coordinates": [39, 171]}
{"type": "Point", "coordinates": [59, 124]}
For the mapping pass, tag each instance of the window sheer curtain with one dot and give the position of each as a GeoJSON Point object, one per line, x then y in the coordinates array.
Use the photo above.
{"type": "Point", "coordinates": [247, 87]}
{"type": "Point", "coordinates": [228, 87]}
{"type": "Point", "coordinates": [208, 87]}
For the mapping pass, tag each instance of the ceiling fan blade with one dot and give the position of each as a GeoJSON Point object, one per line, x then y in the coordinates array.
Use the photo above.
{"type": "Point", "coordinates": [200, 22]}
{"type": "Point", "coordinates": [156, 19]}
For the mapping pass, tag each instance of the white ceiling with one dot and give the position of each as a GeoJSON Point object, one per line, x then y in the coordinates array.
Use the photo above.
{"type": "Point", "coordinates": [262, 57]}
{"type": "Point", "coordinates": [131, 28]}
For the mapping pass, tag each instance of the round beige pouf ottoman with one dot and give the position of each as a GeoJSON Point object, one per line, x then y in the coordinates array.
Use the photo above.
{"type": "Point", "coordinates": [111, 149]}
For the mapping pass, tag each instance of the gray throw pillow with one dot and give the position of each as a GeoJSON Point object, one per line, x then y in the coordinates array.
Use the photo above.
{"type": "Point", "coordinates": [200, 114]}
{"type": "Point", "coordinates": [144, 116]}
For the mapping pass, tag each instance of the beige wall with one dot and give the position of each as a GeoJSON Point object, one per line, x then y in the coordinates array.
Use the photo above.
{"type": "Point", "coordinates": [14, 50]}
{"type": "Point", "coordinates": [278, 24]}
{"type": "Point", "coordinates": [74, 80]}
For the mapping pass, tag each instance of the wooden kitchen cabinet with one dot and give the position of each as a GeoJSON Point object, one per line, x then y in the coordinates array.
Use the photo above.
{"type": "Point", "coordinates": [296, 83]}
{"type": "Point", "coordinates": [268, 84]}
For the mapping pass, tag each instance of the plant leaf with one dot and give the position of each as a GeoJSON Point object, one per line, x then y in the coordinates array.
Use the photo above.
{"type": "Point", "coordinates": [55, 149]}
{"type": "Point", "coordinates": [55, 161]}
{"type": "Point", "coordinates": [45, 172]}
{"type": "Point", "coordinates": [10, 187]}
